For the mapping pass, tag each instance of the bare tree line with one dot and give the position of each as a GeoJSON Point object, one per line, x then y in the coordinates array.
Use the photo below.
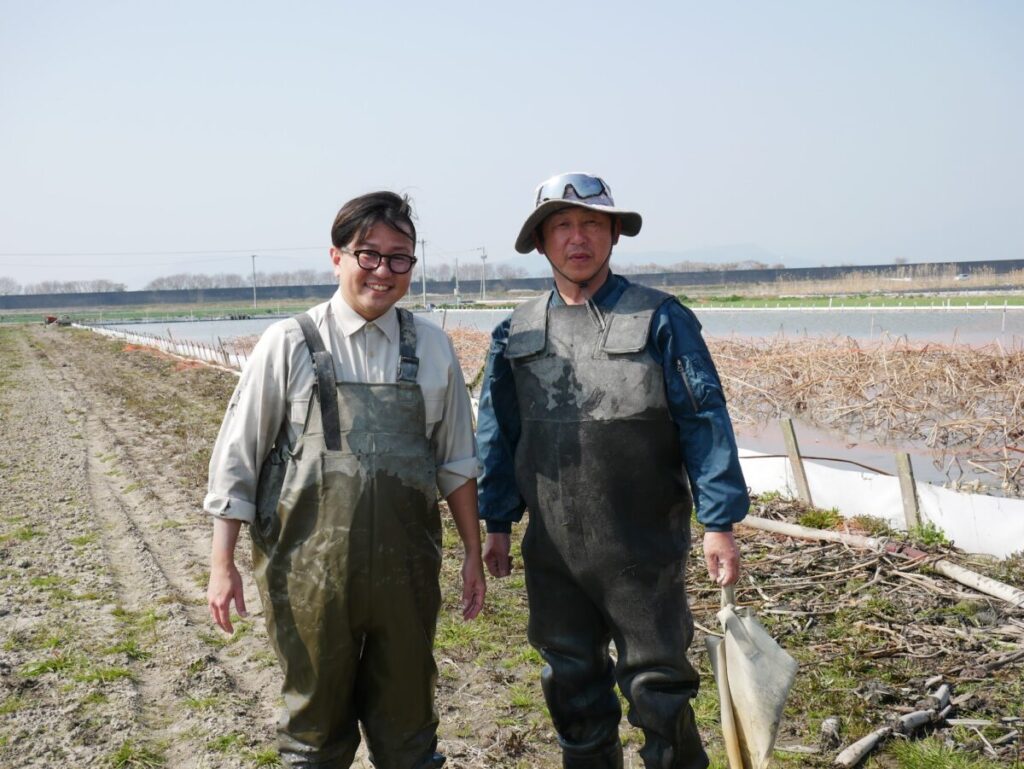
{"type": "Point", "coordinates": [11, 286]}
{"type": "Point", "coordinates": [435, 271]}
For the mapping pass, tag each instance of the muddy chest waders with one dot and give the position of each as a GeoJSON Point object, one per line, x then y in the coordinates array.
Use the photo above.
{"type": "Point", "coordinates": [347, 557]}
{"type": "Point", "coordinates": [600, 467]}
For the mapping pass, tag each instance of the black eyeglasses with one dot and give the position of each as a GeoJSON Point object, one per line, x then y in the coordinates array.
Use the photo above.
{"type": "Point", "coordinates": [370, 260]}
{"type": "Point", "coordinates": [584, 187]}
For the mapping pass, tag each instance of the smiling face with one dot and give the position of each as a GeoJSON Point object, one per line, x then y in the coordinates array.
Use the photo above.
{"type": "Point", "coordinates": [371, 293]}
{"type": "Point", "coordinates": [577, 241]}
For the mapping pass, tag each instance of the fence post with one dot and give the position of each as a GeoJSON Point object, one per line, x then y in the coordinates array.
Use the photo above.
{"type": "Point", "coordinates": [908, 489]}
{"type": "Point", "coordinates": [796, 461]}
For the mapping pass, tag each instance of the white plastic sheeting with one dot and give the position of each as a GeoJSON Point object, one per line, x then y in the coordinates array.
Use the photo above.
{"type": "Point", "coordinates": [976, 523]}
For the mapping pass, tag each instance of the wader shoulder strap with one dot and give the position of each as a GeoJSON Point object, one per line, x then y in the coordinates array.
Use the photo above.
{"type": "Point", "coordinates": [528, 330]}
{"type": "Point", "coordinates": [327, 389]}
{"type": "Point", "coordinates": [630, 319]}
{"type": "Point", "coordinates": [408, 363]}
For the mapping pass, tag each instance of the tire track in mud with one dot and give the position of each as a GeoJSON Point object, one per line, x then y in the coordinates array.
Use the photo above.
{"type": "Point", "coordinates": [205, 700]}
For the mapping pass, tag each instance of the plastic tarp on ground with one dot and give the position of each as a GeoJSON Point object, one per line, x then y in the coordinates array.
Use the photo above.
{"type": "Point", "coordinates": [976, 523]}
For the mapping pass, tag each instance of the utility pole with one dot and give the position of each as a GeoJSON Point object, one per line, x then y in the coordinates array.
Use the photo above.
{"type": "Point", "coordinates": [483, 275]}
{"type": "Point", "coordinates": [457, 286]}
{"type": "Point", "coordinates": [254, 281]}
{"type": "Point", "coordinates": [423, 270]}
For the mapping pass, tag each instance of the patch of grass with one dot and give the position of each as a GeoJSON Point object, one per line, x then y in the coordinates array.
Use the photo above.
{"type": "Point", "coordinates": [95, 698]}
{"type": "Point", "coordinates": [929, 535]}
{"type": "Point", "coordinates": [872, 526]}
{"type": "Point", "coordinates": [170, 523]}
{"type": "Point", "coordinates": [49, 641]}
{"type": "Point", "coordinates": [12, 704]}
{"type": "Point", "coordinates": [25, 533]}
{"type": "Point", "coordinates": [56, 664]}
{"type": "Point", "coordinates": [132, 756]}
{"type": "Point", "coordinates": [131, 487]}
{"type": "Point", "coordinates": [264, 757]}
{"type": "Point", "coordinates": [932, 753]}
{"type": "Point", "coordinates": [820, 519]}
{"type": "Point", "coordinates": [130, 648]}
{"type": "Point", "coordinates": [224, 743]}
{"type": "Point", "coordinates": [459, 638]}
{"type": "Point", "coordinates": [82, 541]}
{"type": "Point", "coordinates": [220, 640]}
{"type": "Point", "coordinates": [524, 697]}
{"type": "Point", "coordinates": [202, 703]}
{"type": "Point", "coordinates": [49, 580]}
{"type": "Point", "coordinates": [144, 621]}
{"type": "Point", "coordinates": [103, 674]}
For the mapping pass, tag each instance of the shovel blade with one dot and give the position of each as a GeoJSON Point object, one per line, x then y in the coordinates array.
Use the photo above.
{"type": "Point", "coordinates": [759, 675]}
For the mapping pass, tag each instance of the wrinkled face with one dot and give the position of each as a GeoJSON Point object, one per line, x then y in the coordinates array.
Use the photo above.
{"type": "Point", "coordinates": [371, 293]}
{"type": "Point", "coordinates": [577, 241]}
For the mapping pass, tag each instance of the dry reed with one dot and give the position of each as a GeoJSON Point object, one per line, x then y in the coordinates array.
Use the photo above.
{"type": "Point", "coordinates": [964, 402]}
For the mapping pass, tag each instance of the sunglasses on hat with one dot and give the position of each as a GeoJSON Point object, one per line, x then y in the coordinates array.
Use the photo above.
{"type": "Point", "coordinates": [575, 186]}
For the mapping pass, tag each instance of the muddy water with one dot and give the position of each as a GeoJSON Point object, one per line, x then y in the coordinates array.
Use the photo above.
{"type": "Point", "coordinates": [863, 454]}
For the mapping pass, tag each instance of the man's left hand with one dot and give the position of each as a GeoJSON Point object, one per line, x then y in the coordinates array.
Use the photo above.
{"type": "Point", "coordinates": [722, 557]}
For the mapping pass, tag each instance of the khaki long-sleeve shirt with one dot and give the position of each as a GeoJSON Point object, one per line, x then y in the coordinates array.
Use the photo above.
{"type": "Point", "coordinates": [277, 382]}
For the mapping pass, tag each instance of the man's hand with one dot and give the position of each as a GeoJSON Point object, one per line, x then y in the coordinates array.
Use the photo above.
{"type": "Point", "coordinates": [225, 581]}
{"type": "Point", "coordinates": [474, 585]}
{"type": "Point", "coordinates": [722, 557]}
{"type": "Point", "coordinates": [496, 554]}
{"type": "Point", "coordinates": [225, 587]}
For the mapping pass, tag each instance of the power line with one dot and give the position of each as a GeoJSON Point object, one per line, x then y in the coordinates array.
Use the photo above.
{"type": "Point", "coordinates": [159, 253]}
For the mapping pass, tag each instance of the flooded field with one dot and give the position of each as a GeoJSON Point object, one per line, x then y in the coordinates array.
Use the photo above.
{"type": "Point", "coordinates": [975, 326]}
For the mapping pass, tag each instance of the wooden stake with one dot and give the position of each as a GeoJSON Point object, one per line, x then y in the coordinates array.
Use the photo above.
{"type": "Point", "coordinates": [796, 461]}
{"type": "Point", "coordinates": [911, 511]}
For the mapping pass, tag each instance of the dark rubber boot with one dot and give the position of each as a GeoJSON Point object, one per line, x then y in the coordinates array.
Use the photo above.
{"type": "Point", "coordinates": [605, 758]}
{"type": "Point", "coordinates": [431, 761]}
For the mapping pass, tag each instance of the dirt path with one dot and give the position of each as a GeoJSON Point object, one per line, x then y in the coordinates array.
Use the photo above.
{"type": "Point", "coordinates": [109, 659]}
{"type": "Point", "coordinates": [104, 579]}
{"type": "Point", "coordinates": [108, 655]}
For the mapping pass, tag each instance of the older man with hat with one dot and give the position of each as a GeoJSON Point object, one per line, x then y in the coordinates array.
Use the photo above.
{"type": "Point", "coordinates": [601, 410]}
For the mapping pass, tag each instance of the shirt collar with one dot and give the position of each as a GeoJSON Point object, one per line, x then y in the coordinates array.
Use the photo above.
{"type": "Point", "coordinates": [608, 294]}
{"type": "Point", "coordinates": [349, 321]}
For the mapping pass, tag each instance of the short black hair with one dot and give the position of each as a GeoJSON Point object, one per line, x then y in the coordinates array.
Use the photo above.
{"type": "Point", "coordinates": [359, 215]}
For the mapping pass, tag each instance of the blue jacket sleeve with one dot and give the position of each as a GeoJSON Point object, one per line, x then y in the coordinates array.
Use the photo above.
{"type": "Point", "coordinates": [497, 435]}
{"type": "Point", "coordinates": [697, 405]}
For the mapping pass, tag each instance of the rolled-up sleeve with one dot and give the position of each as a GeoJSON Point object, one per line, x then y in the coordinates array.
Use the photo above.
{"type": "Point", "coordinates": [454, 443]}
{"type": "Point", "coordinates": [697, 404]}
{"type": "Point", "coordinates": [255, 415]}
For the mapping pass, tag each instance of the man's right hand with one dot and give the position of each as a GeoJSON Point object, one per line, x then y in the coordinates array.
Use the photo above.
{"type": "Point", "coordinates": [225, 587]}
{"type": "Point", "coordinates": [496, 554]}
{"type": "Point", "coordinates": [225, 581]}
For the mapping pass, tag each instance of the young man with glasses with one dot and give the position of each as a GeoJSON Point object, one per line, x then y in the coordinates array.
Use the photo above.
{"type": "Point", "coordinates": [601, 409]}
{"type": "Point", "coordinates": [346, 422]}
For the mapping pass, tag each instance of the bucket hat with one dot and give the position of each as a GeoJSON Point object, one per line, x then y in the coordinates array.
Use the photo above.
{"type": "Point", "coordinates": [577, 189]}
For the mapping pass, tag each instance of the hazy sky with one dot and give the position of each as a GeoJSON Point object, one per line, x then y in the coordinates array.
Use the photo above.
{"type": "Point", "coordinates": [140, 139]}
